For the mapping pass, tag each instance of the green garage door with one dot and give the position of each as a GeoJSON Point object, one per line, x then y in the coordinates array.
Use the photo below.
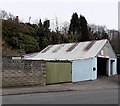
{"type": "Point", "coordinates": [58, 72]}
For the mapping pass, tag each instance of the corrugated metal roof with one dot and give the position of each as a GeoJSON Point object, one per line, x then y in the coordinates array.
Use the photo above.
{"type": "Point", "coordinates": [69, 51]}
{"type": "Point", "coordinates": [89, 45]}
{"type": "Point", "coordinates": [71, 47]}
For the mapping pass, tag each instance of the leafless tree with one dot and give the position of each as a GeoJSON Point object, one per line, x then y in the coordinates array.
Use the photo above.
{"type": "Point", "coordinates": [3, 14]}
{"type": "Point", "coordinates": [115, 40]}
{"type": "Point", "coordinates": [56, 24]}
{"type": "Point", "coordinates": [65, 27]}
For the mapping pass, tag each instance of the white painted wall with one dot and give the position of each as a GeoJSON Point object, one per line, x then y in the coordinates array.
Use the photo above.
{"type": "Point", "coordinates": [114, 66]}
{"type": "Point", "coordinates": [94, 64]}
{"type": "Point", "coordinates": [83, 70]}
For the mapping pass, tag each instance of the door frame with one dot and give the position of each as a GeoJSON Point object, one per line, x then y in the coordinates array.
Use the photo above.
{"type": "Point", "coordinates": [107, 65]}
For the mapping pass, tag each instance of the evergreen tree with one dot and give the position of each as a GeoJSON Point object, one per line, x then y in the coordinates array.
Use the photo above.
{"type": "Point", "coordinates": [74, 24]}
{"type": "Point", "coordinates": [46, 24]}
{"type": "Point", "coordinates": [84, 28]}
{"type": "Point", "coordinates": [40, 23]}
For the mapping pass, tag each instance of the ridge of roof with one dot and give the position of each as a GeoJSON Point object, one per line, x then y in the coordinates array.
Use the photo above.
{"type": "Point", "coordinates": [79, 42]}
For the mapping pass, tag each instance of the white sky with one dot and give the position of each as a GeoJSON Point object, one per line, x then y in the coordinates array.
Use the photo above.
{"type": "Point", "coordinates": [99, 12]}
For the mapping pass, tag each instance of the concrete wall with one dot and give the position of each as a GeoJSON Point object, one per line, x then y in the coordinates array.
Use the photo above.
{"type": "Point", "coordinates": [22, 72]}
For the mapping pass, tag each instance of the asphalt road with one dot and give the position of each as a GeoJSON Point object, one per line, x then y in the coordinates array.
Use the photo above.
{"type": "Point", "coordinates": [108, 96]}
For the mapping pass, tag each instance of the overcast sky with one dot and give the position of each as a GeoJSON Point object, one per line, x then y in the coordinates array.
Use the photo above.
{"type": "Point", "coordinates": [96, 12]}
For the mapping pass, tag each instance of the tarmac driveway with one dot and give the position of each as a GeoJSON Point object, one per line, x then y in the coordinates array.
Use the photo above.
{"type": "Point", "coordinates": [100, 83]}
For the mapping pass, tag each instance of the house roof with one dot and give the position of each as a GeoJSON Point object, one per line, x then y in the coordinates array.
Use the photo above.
{"type": "Point", "coordinates": [69, 51]}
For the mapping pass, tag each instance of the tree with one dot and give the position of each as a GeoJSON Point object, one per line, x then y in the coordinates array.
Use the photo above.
{"type": "Point", "coordinates": [115, 39]}
{"type": "Point", "coordinates": [19, 37]}
{"type": "Point", "coordinates": [3, 14]}
{"type": "Point", "coordinates": [27, 43]}
{"type": "Point", "coordinates": [65, 27]}
{"type": "Point", "coordinates": [40, 23]}
{"type": "Point", "coordinates": [46, 24]}
{"type": "Point", "coordinates": [56, 25]}
{"type": "Point", "coordinates": [74, 24]}
{"type": "Point", "coordinates": [84, 28]}
{"type": "Point", "coordinates": [105, 35]}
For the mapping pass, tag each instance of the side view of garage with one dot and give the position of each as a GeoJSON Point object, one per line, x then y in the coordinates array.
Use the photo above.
{"type": "Point", "coordinates": [74, 62]}
{"type": "Point", "coordinates": [91, 69]}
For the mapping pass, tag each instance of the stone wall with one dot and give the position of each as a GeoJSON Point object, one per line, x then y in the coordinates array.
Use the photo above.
{"type": "Point", "coordinates": [23, 72]}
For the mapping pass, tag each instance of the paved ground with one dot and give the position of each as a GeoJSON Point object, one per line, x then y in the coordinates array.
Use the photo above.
{"type": "Point", "coordinates": [108, 96]}
{"type": "Point", "coordinates": [100, 83]}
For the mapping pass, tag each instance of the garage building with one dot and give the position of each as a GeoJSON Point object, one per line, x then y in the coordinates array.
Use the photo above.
{"type": "Point", "coordinates": [74, 62]}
